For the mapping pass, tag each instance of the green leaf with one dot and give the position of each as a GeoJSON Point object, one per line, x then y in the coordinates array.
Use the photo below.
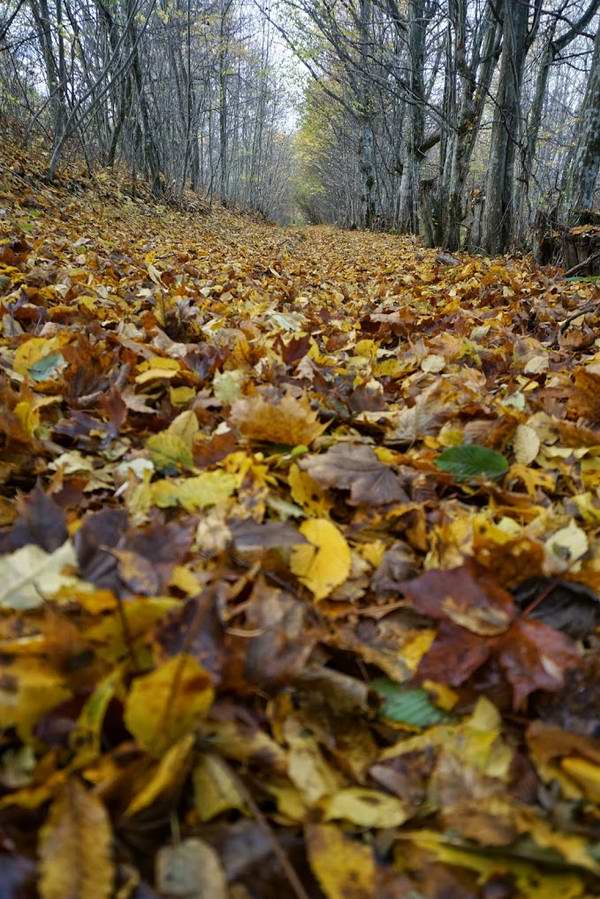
{"type": "Point", "coordinates": [472, 461]}
{"type": "Point", "coordinates": [48, 367]}
{"type": "Point", "coordinates": [407, 705]}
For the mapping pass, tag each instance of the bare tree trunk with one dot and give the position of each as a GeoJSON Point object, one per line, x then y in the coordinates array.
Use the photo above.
{"type": "Point", "coordinates": [476, 78]}
{"type": "Point", "coordinates": [499, 210]}
{"type": "Point", "coordinates": [585, 164]}
{"type": "Point", "coordinates": [411, 174]}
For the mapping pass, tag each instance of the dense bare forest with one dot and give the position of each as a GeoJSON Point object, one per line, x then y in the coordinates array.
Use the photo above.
{"type": "Point", "coordinates": [470, 122]}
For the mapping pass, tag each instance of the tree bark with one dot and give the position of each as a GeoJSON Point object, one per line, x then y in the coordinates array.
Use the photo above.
{"type": "Point", "coordinates": [499, 199]}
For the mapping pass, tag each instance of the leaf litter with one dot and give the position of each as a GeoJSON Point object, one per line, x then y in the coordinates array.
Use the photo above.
{"type": "Point", "coordinates": [300, 559]}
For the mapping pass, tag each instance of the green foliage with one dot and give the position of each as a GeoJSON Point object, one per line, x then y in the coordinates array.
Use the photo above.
{"type": "Point", "coordinates": [472, 461]}
{"type": "Point", "coordinates": [407, 705]}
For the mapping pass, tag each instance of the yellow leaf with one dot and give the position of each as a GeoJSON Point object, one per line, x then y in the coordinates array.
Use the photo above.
{"type": "Point", "coordinates": [28, 689]}
{"type": "Point", "coordinates": [207, 489]}
{"type": "Point", "coordinates": [325, 561]}
{"type": "Point", "coordinates": [75, 847]}
{"type": "Point", "coordinates": [366, 808]}
{"type": "Point", "coordinates": [215, 789]}
{"type": "Point", "coordinates": [185, 580]}
{"type": "Point", "coordinates": [85, 736]}
{"type": "Point", "coordinates": [585, 774]}
{"type": "Point", "coordinates": [186, 427]}
{"type": "Point", "coordinates": [32, 351]}
{"type": "Point", "coordinates": [167, 775]}
{"type": "Point", "coordinates": [169, 451]}
{"type": "Point", "coordinates": [179, 396]}
{"type": "Point", "coordinates": [344, 867]}
{"type": "Point", "coordinates": [29, 417]}
{"type": "Point", "coordinates": [157, 369]}
{"type": "Point", "coordinates": [308, 769]}
{"type": "Point", "coordinates": [166, 704]}
{"type": "Point", "coordinates": [531, 883]}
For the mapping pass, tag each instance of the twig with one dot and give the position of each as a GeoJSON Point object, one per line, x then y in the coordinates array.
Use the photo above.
{"type": "Point", "coordinates": [580, 265]}
{"type": "Point", "coordinates": [278, 850]}
{"type": "Point", "coordinates": [540, 599]}
{"type": "Point", "coordinates": [589, 307]}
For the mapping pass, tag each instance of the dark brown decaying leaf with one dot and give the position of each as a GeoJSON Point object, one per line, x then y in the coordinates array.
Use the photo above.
{"type": "Point", "coordinates": [535, 657]}
{"type": "Point", "coordinates": [454, 656]}
{"type": "Point", "coordinates": [41, 522]}
{"type": "Point", "coordinates": [465, 595]}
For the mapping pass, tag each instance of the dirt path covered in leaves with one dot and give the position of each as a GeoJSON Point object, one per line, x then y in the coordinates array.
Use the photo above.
{"type": "Point", "coordinates": [299, 560]}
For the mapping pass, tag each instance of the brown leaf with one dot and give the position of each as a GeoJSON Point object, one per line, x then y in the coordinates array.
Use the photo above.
{"type": "Point", "coordinates": [465, 595]}
{"type": "Point", "coordinates": [584, 398]}
{"type": "Point", "coordinates": [454, 655]}
{"type": "Point", "coordinates": [41, 522]}
{"type": "Point", "coordinates": [355, 467]}
{"type": "Point", "coordinates": [281, 420]}
{"type": "Point", "coordinates": [535, 657]}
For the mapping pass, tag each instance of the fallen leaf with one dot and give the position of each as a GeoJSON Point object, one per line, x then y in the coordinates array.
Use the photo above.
{"type": "Point", "coordinates": [191, 869]}
{"type": "Point", "coordinates": [356, 468]}
{"type": "Point", "coordinates": [75, 847]}
{"type": "Point", "coordinates": [324, 563]}
{"type": "Point", "coordinates": [167, 703]}
{"type": "Point", "coordinates": [288, 421]}
{"type": "Point", "coordinates": [343, 866]}
{"type": "Point", "coordinates": [30, 575]}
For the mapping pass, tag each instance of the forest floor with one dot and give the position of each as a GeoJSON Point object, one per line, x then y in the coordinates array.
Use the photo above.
{"type": "Point", "coordinates": [299, 559]}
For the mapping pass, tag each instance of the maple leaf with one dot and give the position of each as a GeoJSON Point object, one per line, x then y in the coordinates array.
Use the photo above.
{"type": "Point", "coordinates": [355, 467]}
{"type": "Point", "coordinates": [284, 420]}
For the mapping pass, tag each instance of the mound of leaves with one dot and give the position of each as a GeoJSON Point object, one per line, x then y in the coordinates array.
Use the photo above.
{"type": "Point", "coordinates": [299, 561]}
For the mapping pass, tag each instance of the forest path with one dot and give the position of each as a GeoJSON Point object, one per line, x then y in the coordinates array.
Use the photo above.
{"type": "Point", "coordinates": [267, 501]}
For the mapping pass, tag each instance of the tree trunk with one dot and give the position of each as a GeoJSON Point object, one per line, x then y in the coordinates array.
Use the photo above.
{"type": "Point", "coordinates": [499, 200]}
{"type": "Point", "coordinates": [585, 164]}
